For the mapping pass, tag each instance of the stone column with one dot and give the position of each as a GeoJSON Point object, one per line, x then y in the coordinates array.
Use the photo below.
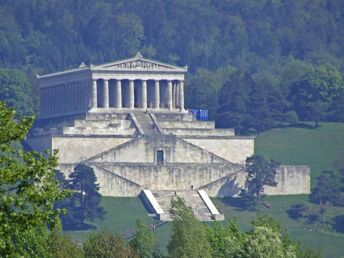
{"type": "Point", "coordinates": [177, 95]}
{"type": "Point", "coordinates": [106, 94]}
{"type": "Point", "coordinates": [94, 94]}
{"type": "Point", "coordinates": [131, 94]}
{"type": "Point", "coordinates": [52, 96]}
{"type": "Point", "coordinates": [156, 94]}
{"type": "Point", "coordinates": [181, 95]}
{"type": "Point", "coordinates": [52, 99]}
{"type": "Point", "coordinates": [48, 100]}
{"type": "Point", "coordinates": [118, 103]}
{"type": "Point", "coordinates": [144, 95]}
{"type": "Point", "coordinates": [64, 97]}
{"type": "Point", "coordinates": [169, 95]}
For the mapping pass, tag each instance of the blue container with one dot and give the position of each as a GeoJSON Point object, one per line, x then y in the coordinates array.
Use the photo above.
{"type": "Point", "coordinates": [203, 114]}
{"type": "Point", "coordinates": [195, 113]}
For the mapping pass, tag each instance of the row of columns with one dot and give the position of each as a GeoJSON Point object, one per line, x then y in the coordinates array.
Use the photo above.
{"type": "Point", "coordinates": [171, 103]}
{"type": "Point", "coordinates": [64, 98]}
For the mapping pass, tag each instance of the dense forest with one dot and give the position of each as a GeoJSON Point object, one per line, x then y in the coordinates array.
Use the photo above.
{"type": "Point", "coordinates": [254, 64]}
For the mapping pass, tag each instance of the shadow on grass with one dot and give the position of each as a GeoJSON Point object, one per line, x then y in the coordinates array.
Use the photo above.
{"type": "Point", "coordinates": [338, 223]}
{"type": "Point", "coordinates": [304, 125]}
{"type": "Point", "coordinates": [240, 204]}
{"type": "Point", "coordinates": [78, 227]}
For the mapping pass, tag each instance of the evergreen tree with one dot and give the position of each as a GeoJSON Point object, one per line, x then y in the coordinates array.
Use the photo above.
{"type": "Point", "coordinates": [233, 103]}
{"type": "Point", "coordinates": [85, 200]}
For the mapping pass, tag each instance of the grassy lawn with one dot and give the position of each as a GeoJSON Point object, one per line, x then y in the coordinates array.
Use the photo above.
{"type": "Point", "coordinates": [320, 148]}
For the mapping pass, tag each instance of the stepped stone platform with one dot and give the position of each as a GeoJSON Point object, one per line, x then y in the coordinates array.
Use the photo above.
{"type": "Point", "coordinates": [159, 203]}
{"type": "Point", "coordinates": [127, 120]}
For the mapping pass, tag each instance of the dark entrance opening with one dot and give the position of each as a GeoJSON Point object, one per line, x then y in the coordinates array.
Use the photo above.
{"type": "Point", "coordinates": [160, 157]}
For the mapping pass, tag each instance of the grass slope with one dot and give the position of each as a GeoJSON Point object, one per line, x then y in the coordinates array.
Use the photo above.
{"type": "Point", "coordinates": [319, 148]}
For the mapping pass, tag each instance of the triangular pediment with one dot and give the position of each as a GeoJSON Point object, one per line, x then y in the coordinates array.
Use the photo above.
{"type": "Point", "coordinates": [140, 63]}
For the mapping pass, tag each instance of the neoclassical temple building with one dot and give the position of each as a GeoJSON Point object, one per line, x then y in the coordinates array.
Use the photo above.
{"type": "Point", "coordinates": [132, 84]}
{"type": "Point", "coordinates": [127, 120]}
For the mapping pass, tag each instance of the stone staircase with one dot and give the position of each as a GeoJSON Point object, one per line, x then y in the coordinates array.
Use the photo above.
{"type": "Point", "coordinates": [101, 124]}
{"type": "Point", "coordinates": [192, 199]}
{"type": "Point", "coordinates": [146, 123]}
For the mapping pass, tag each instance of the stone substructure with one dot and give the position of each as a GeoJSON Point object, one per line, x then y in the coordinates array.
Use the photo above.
{"type": "Point", "coordinates": [127, 121]}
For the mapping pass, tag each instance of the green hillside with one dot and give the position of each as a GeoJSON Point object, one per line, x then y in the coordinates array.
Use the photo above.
{"type": "Point", "coordinates": [319, 148]}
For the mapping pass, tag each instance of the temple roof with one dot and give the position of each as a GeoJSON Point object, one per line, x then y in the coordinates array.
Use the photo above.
{"type": "Point", "coordinates": [136, 63]}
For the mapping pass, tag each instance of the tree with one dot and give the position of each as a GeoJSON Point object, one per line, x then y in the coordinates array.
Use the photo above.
{"type": "Point", "coordinates": [315, 91]}
{"type": "Point", "coordinates": [226, 241]}
{"type": "Point", "coordinates": [260, 172]}
{"type": "Point", "coordinates": [40, 242]}
{"type": "Point", "coordinates": [188, 237]}
{"type": "Point", "coordinates": [297, 211]}
{"type": "Point", "coordinates": [85, 200]}
{"type": "Point", "coordinates": [252, 105]}
{"type": "Point", "coordinates": [269, 232]}
{"type": "Point", "coordinates": [107, 245]}
{"type": "Point", "coordinates": [33, 242]}
{"type": "Point", "coordinates": [262, 240]}
{"type": "Point", "coordinates": [16, 91]}
{"type": "Point", "coordinates": [336, 109]}
{"type": "Point", "coordinates": [28, 188]}
{"type": "Point", "coordinates": [233, 103]}
{"type": "Point", "coordinates": [327, 191]}
{"type": "Point", "coordinates": [203, 88]}
{"type": "Point", "coordinates": [144, 242]}
{"type": "Point", "coordinates": [266, 239]}
{"type": "Point", "coordinates": [62, 246]}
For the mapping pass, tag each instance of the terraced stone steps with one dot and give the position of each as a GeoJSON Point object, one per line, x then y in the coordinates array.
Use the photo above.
{"type": "Point", "coordinates": [147, 124]}
{"type": "Point", "coordinates": [192, 199]}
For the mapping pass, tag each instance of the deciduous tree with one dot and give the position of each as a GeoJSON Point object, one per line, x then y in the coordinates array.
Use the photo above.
{"type": "Point", "coordinates": [327, 191]}
{"type": "Point", "coordinates": [109, 245]}
{"type": "Point", "coordinates": [260, 172]}
{"type": "Point", "coordinates": [188, 237]}
{"type": "Point", "coordinates": [315, 91]}
{"type": "Point", "coordinates": [144, 242]}
{"type": "Point", "coordinates": [28, 188]}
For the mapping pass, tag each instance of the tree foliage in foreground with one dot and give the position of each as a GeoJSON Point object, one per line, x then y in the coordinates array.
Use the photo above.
{"type": "Point", "coordinates": [266, 239]}
{"type": "Point", "coordinates": [143, 242]}
{"type": "Point", "coordinates": [28, 189]}
{"type": "Point", "coordinates": [107, 245]}
{"type": "Point", "coordinates": [39, 242]}
{"type": "Point", "coordinates": [188, 237]}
